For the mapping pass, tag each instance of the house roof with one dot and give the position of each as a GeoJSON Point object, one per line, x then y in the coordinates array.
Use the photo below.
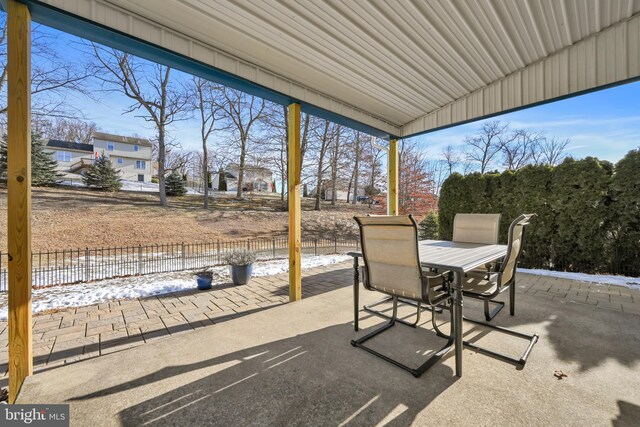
{"type": "Point", "coordinates": [394, 68]}
{"type": "Point", "coordinates": [69, 145]}
{"type": "Point", "coordinates": [121, 138]}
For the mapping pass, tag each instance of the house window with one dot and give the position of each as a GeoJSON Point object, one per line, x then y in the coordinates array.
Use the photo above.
{"type": "Point", "coordinates": [63, 156]}
{"type": "Point", "coordinates": [141, 178]}
{"type": "Point", "coordinates": [141, 164]}
{"type": "Point", "coordinates": [120, 161]}
{"type": "Point", "coordinates": [136, 148]}
{"type": "Point", "coordinates": [111, 146]}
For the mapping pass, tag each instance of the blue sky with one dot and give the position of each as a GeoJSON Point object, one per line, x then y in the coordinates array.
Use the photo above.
{"type": "Point", "coordinates": [604, 124]}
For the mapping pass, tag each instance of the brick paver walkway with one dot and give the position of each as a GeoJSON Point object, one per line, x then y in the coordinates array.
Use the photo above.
{"type": "Point", "coordinates": [78, 333]}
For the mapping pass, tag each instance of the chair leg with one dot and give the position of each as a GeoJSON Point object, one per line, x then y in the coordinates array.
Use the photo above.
{"type": "Point", "coordinates": [512, 298]}
{"type": "Point", "coordinates": [416, 372]}
{"type": "Point", "coordinates": [521, 361]}
{"type": "Point", "coordinates": [490, 314]}
{"type": "Point", "coordinates": [369, 308]}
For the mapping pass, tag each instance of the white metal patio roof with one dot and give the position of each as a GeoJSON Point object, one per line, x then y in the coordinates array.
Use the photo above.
{"type": "Point", "coordinates": [402, 67]}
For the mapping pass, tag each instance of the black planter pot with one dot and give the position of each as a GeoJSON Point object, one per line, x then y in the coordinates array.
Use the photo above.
{"type": "Point", "coordinates": [241, 274]}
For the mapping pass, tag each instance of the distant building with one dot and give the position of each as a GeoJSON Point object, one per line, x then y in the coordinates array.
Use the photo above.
{"type": "Point", "coordinates": [255, 178]}
{"type": "Point", "coordinates": [131, 156]}
{"type": "Point", "coordinates": [342, 191]}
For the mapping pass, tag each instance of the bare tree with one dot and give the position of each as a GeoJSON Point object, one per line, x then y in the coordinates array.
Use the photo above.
{"type": "Point", "coordinates": [153, 91]}
{"type": "Point", "coordinates": [52, 76]}
{"type": "Point", "coordinates": [483, 147]}
{"type": "Point", "coordinates": [335, 156]}
{"type": "Point", "coordinates": [356, 167]}
{"type": "Point", "coordinates": [241, 112]}
{"type": "Point", "coordinates": [206, 101]}
{"type": "Point", "coordinates": [551, 151]}
{"type": "Point", "coordinates": [65, 129]}
{"type": "Point", "coordinates": [452, 157]}
{"type": "Point", "coordinates": [324, 140]}
{"type": "Point", "coordinates": [519, 150]}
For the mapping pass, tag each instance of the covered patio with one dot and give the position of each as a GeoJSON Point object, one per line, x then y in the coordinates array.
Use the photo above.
{"type": "Point", "coordinates": [263, 369]}
{"type": "Point", "coordinates": [393, 70]}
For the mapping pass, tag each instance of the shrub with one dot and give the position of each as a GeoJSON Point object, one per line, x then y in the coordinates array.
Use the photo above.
{"type": "Point", "coordinates": [588, 211]}
{"type": "Point", "coordinates": [239, 257]}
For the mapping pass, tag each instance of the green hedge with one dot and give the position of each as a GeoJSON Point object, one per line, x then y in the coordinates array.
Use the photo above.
{"type": "Point", "coordinates": [588, 211]}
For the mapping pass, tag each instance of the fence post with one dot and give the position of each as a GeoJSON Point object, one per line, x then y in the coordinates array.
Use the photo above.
{"type": "Point", "coordinates": [139, 260]}
{"type": "Point", "coordinates": [273, 245]}
{"type": "Point", "coordinates": [219, 260]}
{"type": "Point", "coordinates": [87, 265]}
{"type": "Point", "coordinates": [184, 257]}
{"type": "Point", "coordinates": [315, 246]}
{"type": "Point", "coordinates": [335, 243]}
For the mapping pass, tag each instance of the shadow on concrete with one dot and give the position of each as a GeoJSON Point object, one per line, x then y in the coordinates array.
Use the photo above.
{"type": "Point", "coordinates": [629, 415]}
{"type": "Point", "coordinates": [311, 379]}
{"type": "Point", "coordinates": [578, 333]}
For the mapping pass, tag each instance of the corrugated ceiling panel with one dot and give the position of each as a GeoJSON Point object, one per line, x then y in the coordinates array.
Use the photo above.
{"type": "Point", "coordinates": [608, 57]}
{"type": "Point", "coordinates": [393, 64]}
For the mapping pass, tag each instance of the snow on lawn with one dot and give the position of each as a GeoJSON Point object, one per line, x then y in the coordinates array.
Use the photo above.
{"type": "Point", "coordinates": [630, 282]}
{"type": "Point", "coordinates": [83, 294]}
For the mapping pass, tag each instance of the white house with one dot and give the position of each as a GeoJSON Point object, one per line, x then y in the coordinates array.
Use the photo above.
{"type": "Point", "coordinates": [342, 190]}
{"type": "Point", "coordinates": [255, 178]}
{"type": "Point", "coordinates": [71, 156]}
{"type": "Point", "coordinates": [131, 156]}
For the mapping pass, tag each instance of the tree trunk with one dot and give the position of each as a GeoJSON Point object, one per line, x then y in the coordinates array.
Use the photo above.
{"type": "Point", "coordinates": [161, 160]}
{"type": "Point", "coordinates": [323, 146]}
{"type": "Point", "coordinates": [349, 187]}
{"type": "Point", "coordinates": [284, 154]}
{"type": "Point", "coordinates": [243, 155]}
{"type": "Point", "coordinates": [334, 167]}
{"type": "Point", "coordinates": [355, 170]}
{"type": "Point", "coordinates": [205, 173]}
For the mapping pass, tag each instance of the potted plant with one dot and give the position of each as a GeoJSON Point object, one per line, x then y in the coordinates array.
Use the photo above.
{"type": "Point", "coordinates": [204, 279]}
{"type": "Point", "coordinates": [240, 265]}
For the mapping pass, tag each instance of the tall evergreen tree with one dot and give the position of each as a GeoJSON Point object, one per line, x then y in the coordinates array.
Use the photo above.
{"type": "Point", "coordinates": [428, 227]}
{"type": "Point", "coordinates": [102, 175]}
{"type": "Point", "coordinates": [43, 165]}
{"type": "Point", "coordinates": [175, 184]}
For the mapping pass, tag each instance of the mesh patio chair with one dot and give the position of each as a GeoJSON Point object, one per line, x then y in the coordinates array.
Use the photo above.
{"type": "Point", "coordinates": [486, 285]}
{"type": "Point", "coordinates": [476, 228]}
{"type": "Point", "coordinates": [479, 228]}
{"type": "Point", "coordinates": [392, 267]}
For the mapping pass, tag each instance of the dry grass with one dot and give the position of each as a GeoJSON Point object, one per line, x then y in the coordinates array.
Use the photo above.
{"type": "Point", "coordinates": [78, 218]}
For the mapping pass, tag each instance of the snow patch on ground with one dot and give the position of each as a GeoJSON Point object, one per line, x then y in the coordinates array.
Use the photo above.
{"type": "Point", "coordinates": [630, 282]}
{"type": "Point", "coordinates": [83, 294]}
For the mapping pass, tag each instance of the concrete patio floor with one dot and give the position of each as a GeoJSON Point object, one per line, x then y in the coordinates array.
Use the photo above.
{"type": "Point", "coordinates": [292, 364]}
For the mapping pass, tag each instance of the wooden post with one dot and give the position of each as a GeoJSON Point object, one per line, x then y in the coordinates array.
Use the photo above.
{"type": "Point", "coordinates": [19, 194]}
{"type": "Point", "coordinates": [392, 163]}
{"type": "Point", "coordinates": [295, 222]}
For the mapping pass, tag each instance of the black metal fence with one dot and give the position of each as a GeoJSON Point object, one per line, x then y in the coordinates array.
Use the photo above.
{"type": "Point", "coordinates": [84, 265]}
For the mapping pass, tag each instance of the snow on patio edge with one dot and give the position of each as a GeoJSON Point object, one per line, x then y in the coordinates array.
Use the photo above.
{"type": "Point", "coordinates": [83, 294]}
{"type": "Point", "coordinates": [603, 279]}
